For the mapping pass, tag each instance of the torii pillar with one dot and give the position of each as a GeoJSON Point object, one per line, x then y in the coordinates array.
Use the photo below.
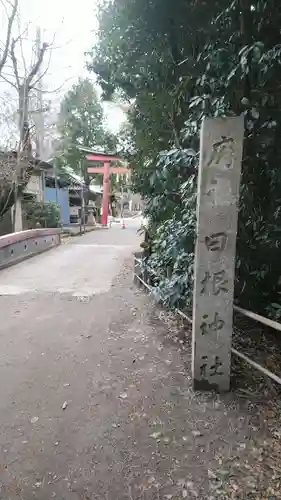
{"type": "Point", "coordinates": [106, 170]}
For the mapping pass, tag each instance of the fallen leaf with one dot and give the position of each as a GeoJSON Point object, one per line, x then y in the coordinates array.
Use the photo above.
{"type": "Point", "coordinates": [124, 395]}
{"type": "Point", "coordinates": [155, 435]}
{"type": "Point", "coordinates": [196, 433]}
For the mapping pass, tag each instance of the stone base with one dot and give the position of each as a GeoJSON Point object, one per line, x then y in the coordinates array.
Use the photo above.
{"type": "Point", "coordinates": [204, 385]}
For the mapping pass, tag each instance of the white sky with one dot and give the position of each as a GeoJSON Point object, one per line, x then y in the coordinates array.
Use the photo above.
{"type": "Point", "coordinates": [73, 27]}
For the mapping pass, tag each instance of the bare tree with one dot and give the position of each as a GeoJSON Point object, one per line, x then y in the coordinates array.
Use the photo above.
{"type": "Point", "coordinates": [24, 85]}
{"type": "Point", "coordinates": [5, 51]}
{"type": "Point", "coordinates": [23, 79]}
{"type": "Point", "coordinates": [24, 75]}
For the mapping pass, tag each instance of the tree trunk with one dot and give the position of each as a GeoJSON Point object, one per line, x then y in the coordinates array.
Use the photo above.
{"type": "Point", "coordinates": [23, 154]}
{"type": "Point", "coordinates": [25, 144]}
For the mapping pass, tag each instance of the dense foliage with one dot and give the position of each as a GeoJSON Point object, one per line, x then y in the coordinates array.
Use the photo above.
{"type": "Point", "coordinates": [177, 62]}
{"type": "Point", "coordinates": [81, 123]}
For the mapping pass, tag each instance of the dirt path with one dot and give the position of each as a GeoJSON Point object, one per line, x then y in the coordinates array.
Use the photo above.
{"type": "Point", "coordinates": [96, 397]}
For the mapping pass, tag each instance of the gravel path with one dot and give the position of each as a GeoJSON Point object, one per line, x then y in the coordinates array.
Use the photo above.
{"type": "Point", "coordinates": [96, 397]}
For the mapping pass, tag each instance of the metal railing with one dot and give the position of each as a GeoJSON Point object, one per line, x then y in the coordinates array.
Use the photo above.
{"type": "Point", "coordinates": [249, 314]}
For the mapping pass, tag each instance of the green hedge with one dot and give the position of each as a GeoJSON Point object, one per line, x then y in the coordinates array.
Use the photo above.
{"type": "Point", "coordinates": [45, 214]}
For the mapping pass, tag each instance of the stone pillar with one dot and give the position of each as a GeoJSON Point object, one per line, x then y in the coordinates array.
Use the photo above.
{"type": "Point", "coordinates": [221, 145]}
{"type": "Point", "coordinates": [91, 218]}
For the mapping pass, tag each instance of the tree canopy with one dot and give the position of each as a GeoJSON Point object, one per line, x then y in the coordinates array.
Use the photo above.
{"type": "Point", "coordinates": [81, 123]}
{"type": "Point", "coordinates": [177, 62]}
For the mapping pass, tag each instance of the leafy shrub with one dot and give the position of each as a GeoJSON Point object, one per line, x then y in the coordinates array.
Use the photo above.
{"type": "Point", "coordinates": [47, 214]}
{"type": "Point", "coordinates": [172, 215]}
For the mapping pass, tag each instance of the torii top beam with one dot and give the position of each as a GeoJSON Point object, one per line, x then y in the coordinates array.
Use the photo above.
{"type": "Point", "coordinates": [105, 158]}
{"type": "Point", "coordinates": [102, 157]}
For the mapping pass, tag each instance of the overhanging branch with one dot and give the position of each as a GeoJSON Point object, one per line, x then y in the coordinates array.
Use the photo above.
{"type": "Point", "coordinates": [8, 36]}
{"type": "Point", "coordinates": [37, 65]}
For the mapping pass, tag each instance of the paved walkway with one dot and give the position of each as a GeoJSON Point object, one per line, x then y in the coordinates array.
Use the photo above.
{"type": "Point", "coordinates": [96, 400]}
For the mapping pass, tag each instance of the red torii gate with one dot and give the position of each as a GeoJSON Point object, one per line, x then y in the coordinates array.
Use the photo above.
{"type": "Point", "coordinates": [106, 170]}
